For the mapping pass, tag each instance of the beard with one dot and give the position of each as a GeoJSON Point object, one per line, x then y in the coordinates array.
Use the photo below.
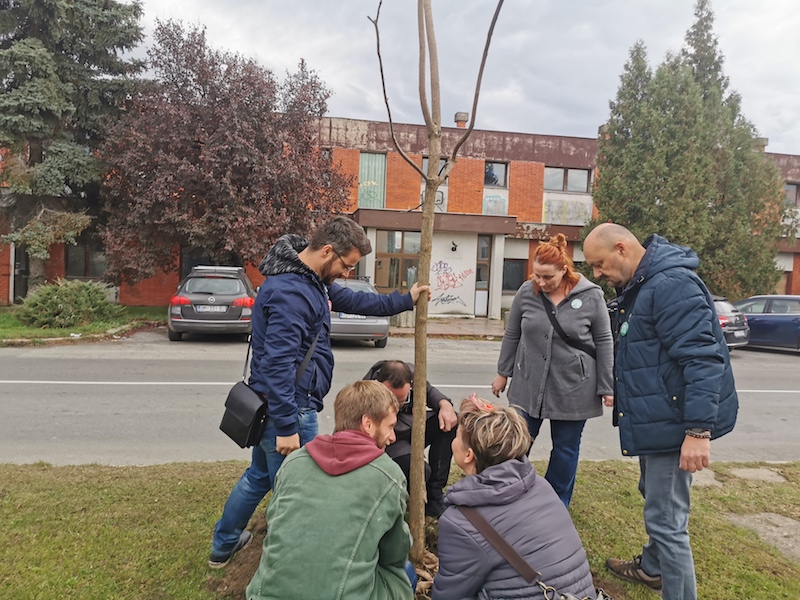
{"type": "Point", "coordinates": [327, 275]}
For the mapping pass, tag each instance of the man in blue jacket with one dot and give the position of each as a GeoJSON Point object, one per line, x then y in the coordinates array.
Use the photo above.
{"type": "Point", "coordinates": [674, 391]}
{"type": "Point", "coordinates": [291, 311]}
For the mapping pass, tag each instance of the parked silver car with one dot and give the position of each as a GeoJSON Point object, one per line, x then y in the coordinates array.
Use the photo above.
{"type": "Point", "coordinates": [211, 299]}
{"type": "Point", "coordinates": [358, 327]}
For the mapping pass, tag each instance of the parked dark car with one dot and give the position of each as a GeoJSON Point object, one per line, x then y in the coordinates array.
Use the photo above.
{"type": "Point", "coordinates": [774, 320]}
{"type": "Point", "coordinates": [211, 299]}
{"type": "Point", "coordinates": [733, 322]}
{"type": "Point", "coordinates": [358, 327]}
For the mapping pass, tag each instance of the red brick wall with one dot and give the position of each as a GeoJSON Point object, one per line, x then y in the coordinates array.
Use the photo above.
{"type": "Point", "coordinates": [465, 186]}
{"type": "Point", "coordinates": [403, 183]}
{"type": "Point", "coordinates": [56, 265]}
{"type": "Point", "coordinates": [6, 274]}
{"type": "Point", "coordinates": [254, 274]}
{"type": "Point", "coordinates": [526, 191]}
{"type": "Point", "coordinates": [793, 280]}
{"type": "Point", "coordinates": [155, 291]}
{"type": "Point", "coordinates": [349, 161]}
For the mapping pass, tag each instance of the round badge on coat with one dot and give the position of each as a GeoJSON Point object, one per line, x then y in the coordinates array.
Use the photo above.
{"type": "Point", "coordinates": [576, 304]}
{"type": "Point", "coordinates": [624, 329]}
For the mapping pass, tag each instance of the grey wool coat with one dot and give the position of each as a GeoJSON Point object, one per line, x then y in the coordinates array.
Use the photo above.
{"type": "Point", "coordinates": [549, 378]}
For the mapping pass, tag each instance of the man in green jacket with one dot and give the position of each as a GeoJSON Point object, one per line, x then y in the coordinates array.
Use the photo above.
{"type": "Point", "coordinates": [336, 527]}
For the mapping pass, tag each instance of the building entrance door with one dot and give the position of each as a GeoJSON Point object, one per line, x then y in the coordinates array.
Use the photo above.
{"type": "Point", "coordinates": [21, 272]}
{"type": "Point", "coordinates": [482, 272]}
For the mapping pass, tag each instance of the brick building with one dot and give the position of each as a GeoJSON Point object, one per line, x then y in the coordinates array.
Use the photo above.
{"type": "Point", "coordinates": [506, 192]}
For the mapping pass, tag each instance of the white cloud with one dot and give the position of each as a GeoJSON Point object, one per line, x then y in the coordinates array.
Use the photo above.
{"type": "Point", "coordinates": [552, 68]}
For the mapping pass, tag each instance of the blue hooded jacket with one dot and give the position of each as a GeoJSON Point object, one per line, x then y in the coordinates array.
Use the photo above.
{"type": "Point", "coordinates": [290, 311]}
{"type": "Point", "coordinates": [672, 366]}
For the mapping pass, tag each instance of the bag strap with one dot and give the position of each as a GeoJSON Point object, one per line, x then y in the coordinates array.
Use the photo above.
{"type": "Point", "coordinates": [500, 544]}
{"type": "Point", "coordinates": [303, 365]}
{"type": "Point", "coordinates": [551, 314]}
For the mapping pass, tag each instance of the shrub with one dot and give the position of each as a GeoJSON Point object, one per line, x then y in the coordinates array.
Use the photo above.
{"type": "Point", "coordinates": [68, 304]}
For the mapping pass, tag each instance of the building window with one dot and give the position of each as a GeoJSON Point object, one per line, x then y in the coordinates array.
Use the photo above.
{"type": "Point", "coordinates": [494, 174]}
{"type": "Point", "coordinates": [372, 180]}
{"type": "Point", "coordinates": [559, 179]}
{"type": "Point", "coordinates": [442, 164]}
{"type": "Point", "coordinates": [396, 260]}
{"type": "Point", "coordinates": [514, 273]}
{"type": "Point", "coordinates": [86, 259]}
{"type": "Point", "coordinates": [791, 198]}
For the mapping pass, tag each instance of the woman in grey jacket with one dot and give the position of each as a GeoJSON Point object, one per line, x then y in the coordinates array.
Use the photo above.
{"type": "Point", "coordinates": [551, 379]}
{"type": "Point", "coordinates": [491, 446]}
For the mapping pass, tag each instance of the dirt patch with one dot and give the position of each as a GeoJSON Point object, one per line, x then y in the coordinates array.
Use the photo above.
{"type": "Point", "coordinates": [777, 530]}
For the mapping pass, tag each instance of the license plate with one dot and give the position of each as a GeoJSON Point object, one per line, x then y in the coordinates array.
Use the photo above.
{"type": "Point", "coordinates": [739, 334]}
{"type": "Point", "coordinates": [215, 308]}
{"type": "Point", "coordinates": [346, 316]}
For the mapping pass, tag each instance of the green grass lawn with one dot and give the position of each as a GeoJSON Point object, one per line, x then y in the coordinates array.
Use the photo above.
{"type": "Point", "coordinates": [103, 533]}
{"type": "Point", "coordinates": [12, 328]}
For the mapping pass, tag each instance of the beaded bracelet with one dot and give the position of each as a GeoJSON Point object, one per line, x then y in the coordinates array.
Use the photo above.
{"type": "Point", "coordinates": [703, 434]}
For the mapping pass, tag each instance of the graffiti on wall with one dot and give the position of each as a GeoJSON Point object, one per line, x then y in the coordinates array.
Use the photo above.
{"type": "Point", "coordinates": [447, 278]}
{"type": "Point", "coordinates": [447, 300]}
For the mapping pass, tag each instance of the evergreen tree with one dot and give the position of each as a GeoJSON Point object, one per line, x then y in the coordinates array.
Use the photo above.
{"type": "Point", "coordinates": [61, 73]}
{"type": "Point", "coordinates": [678, 158]}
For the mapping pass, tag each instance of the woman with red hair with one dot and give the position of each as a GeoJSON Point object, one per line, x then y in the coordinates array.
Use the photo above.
{"type": "Point", "coordinates": [558, 352]}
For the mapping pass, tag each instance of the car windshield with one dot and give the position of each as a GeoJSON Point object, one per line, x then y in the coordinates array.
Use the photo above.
{"type": "Point", "coordinates": [213, 285]}
{"type": "Point", "coordinates": [725, 308]}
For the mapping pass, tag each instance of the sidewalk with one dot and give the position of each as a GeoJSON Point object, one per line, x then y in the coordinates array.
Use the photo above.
{"type": "Point", "coordinates": [477, 328]}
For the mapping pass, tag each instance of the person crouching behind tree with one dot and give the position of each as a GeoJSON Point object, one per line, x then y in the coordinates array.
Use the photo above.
{"type": "Point", "coordinates": [491, 447]}
{"type": "Point", "coordinates": [336, 527]}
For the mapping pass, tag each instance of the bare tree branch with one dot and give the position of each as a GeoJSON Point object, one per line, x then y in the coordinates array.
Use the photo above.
{"type": "Point", "coordinates": [477, 87]}
{"type": "Point", "coordinates": [423, 94]}
{"type": "Point", "coordinates": [436, 96]}
{"type": "Point", "coordinates": [386, 96]}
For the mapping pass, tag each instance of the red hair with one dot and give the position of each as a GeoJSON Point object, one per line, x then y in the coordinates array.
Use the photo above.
{"type": "Point", "coordinates": [554, 252]}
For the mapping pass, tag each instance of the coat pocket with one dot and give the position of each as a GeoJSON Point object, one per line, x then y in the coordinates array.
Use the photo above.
{"type": "Point", "coordinates": [574, 372]}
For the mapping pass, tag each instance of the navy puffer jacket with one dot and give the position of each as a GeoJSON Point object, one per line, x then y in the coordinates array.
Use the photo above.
{"type": "Point", "coordinates": [672, 367]}
{"type": "Point", "coordinates": [525, 510]}
{"type": "Point", "coordinates": [293, 307]}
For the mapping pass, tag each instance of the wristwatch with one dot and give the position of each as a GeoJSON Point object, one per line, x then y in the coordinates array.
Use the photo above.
{"type": "Point", "coordinates": [698, 432]}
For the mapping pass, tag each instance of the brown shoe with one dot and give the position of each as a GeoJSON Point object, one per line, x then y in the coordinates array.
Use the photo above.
{"type": "Point", "coordinates": [631, 570]}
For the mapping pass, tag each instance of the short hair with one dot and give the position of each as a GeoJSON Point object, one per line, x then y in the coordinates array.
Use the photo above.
{"type": "Point", "coordinates": [370, 398]}
{"type": "Point", "coordinates": [395, 372]}
{"type": "Point", "coordinates": [494, 433]}
{"type": "Point", "coordinates": [554, 252]}
{"type": "Point", "coordinates": [343, 234]}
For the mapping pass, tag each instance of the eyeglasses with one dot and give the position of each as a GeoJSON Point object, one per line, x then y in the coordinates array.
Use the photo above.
{"type": "Point", "coordinates": [348, 268]}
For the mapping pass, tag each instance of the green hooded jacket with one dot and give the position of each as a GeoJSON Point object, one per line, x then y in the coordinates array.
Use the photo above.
{"type": "Point", "coordinates": [336, 527]}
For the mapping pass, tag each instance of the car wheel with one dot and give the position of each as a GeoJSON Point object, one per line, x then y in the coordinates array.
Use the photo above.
{"type": "Point", "coordinates": [174, 336]}
{"type": "Point", "coordinates": [381, 343]}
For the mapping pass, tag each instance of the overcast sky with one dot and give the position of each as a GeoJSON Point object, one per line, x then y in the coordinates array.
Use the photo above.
{"type": "Point", "coordinates": [552, 68]}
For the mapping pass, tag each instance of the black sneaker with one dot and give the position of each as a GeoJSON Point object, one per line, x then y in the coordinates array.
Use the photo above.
{"type": "Point", "coordinates": [218, 561]}
{"type": "Point", "coordinates": [435, 507]}
{"type": "Point", "coordinates": [631, 570]}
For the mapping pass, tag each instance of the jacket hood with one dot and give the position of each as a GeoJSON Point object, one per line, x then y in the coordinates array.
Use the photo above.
{"type": "Point", "coordinates": [343, 452]}
{"type": "Point", "coordinates": [663, 255]}
{"type": "Point", "coordinates": [582, 285]}
{"type": "Point", "coordinates": [498, 485]}
{"type": "Point", "coordinates": [283, 257]}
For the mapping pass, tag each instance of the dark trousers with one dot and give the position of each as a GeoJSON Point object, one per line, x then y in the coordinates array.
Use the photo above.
{"type": "Point", "coordinates": [440, 453]}
{"type": "Point", "coordinates": [563, 464]}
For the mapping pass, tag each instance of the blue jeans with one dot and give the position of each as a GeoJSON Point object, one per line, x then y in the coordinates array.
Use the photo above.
{"type": "Point", "coordinates": [665, 488]}
{"type": "Point", "coordinates": [563, 463]}
{"type": "Point", "coordinates": [256, 481]}
{"type": "Point", "coordinates": [412, 575]}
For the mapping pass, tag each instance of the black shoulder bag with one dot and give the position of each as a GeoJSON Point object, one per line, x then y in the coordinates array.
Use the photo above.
{"type": "Point", "coordinates": [551, 314]}
{"type": "Point", "coordinates": [246, 410]}
{"type": "Point", "coordinates": [515, 559]}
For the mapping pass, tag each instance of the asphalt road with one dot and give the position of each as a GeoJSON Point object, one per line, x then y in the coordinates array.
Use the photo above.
{"type": "Point", "coordinates": [144, 400]}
